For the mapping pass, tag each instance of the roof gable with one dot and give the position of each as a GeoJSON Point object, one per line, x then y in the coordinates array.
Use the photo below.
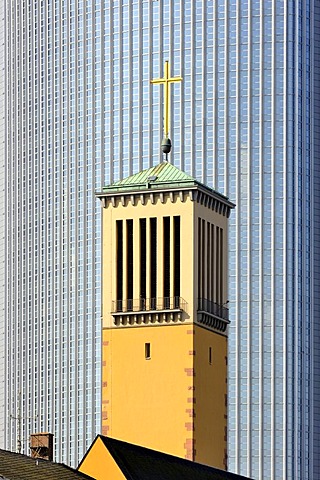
{"type": "Point", "coordinates": [139, 463]}
{"type": "Point", "coordinates": [99, 463]}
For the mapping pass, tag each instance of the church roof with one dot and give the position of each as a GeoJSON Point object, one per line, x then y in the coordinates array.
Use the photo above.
{"type": "Point", "coordinates": [139, 463]}
{"type": "Point", "coordinates": [157, 177]}
{"type": "Point", "coordinates": [14, 466]}
{"type": "Point", "coordinates": [160, 177]}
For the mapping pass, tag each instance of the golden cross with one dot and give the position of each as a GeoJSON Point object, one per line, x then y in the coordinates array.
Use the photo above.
{"type": "Point", "coordinates": [166, 80]}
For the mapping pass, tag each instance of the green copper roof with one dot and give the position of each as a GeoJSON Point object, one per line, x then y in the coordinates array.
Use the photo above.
{"type": "Point", "coordinates": [161, 176]}
{"type": "Point", "coordinates": [164, 176]}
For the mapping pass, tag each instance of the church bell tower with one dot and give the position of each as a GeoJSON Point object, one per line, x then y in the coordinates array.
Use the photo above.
{"type": "Point", "coordinates": [165, 315]}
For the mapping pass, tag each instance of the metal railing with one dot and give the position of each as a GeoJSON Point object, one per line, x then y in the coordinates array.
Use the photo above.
{"type": "Point", "coordinates": [220, 311]}
{"type": "Point", "coordinates": [148, 304]}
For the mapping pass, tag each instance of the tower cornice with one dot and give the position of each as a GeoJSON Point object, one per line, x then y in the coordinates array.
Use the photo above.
{"type": "Point", "coordinates": [197, 193]}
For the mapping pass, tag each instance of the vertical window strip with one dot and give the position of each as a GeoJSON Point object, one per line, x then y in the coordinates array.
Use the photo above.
{"type": "Point", "coordinates": [199, 258]}
{"type": "Point", "coordinates": [208, 262]}
{"type": "Point", "coordinates": [153, 263]}
{"type": "Point", "coordinates": [166, 261]}
{"type": "Point", "coordinates": [119, 253]}
{"type": "Point", "coordinates": [203, 260]}
{"type": "Point", "coordinates": [217, 275]}
{"type": "Point", "coordinates": [221, 267]}
{"type": "Point", "coordinates": [176, 283]}
{"type": "Point", "coordinates": [143, 263]}
{"type": "Point", "coordinates": [213, 246]}
{"type": "Point", "coordinates": [129, 264]}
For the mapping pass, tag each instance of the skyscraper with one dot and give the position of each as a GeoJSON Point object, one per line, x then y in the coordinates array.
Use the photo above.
{"type": "Point", "coordinates": [51, 316]}
{"type": "Point", "coordinates": [2, 223]}
{"type": "Point", "coordinates": [81, 113]}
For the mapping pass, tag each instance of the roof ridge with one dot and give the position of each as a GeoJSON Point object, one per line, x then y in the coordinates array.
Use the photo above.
{"type": "Point", "coordinates": [122, 452]}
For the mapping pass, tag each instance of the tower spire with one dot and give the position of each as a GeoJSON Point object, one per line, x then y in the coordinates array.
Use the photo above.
{"type": "Point", "coordinates": [166, 82]}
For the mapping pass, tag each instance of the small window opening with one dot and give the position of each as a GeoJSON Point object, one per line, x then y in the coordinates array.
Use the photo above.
{"type": "Point", "coordinates": [147, 351]}
{"type": "Point", "coordinates": [210, 355]}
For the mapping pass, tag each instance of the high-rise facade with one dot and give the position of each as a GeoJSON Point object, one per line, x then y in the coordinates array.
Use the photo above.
{"type": "Point", "coordinates": [2, 223]}
{"type": "Point", "coordinates": [80, 113]}
{"type": "Point", "coordinates": [51, 318]}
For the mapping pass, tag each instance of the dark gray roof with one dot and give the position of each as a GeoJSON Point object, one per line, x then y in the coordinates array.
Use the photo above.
{"type": "Point", "coordinates": [14, 466]}
{"type": "Point", "coordinates": [139, 463]}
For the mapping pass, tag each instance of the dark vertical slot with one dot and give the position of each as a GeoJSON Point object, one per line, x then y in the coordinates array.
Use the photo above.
{"type": "Point", "coordinates": [176, 283]}
{"type": "Point", "coordinates": [129, 264]}
{"type": "Point", "coordinates": [217, 265]}
{"type": "Point", "coordinates": [119, 229]}
{"type": "Point", "coordinates": [221, 266]}
{"type": "Point", "coordinates": [210, 355]}
{"type": "Point", "coordinates": [143, 263]}
{"type": "Point", "coordinates": [153, 263]}
{"type": "Point", "coordinates": [213, 246]}
{"type": "Point", "coordinates": [147, 351]}
{"type": "Point", "coordinates": [203, 264]}
{"type": "Point", "coordinates": [208, 262]}
{"type": "Point", "coordinates": [199, 263]}
{"type": "Point", "coordinates": [166, 261]}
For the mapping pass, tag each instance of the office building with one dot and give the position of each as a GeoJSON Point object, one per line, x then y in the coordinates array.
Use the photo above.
{"type": "Point", "coordinates": [51, 316]}
{"type": "Point", "coordinates": [80, 112]}
{"type": "Point", "coordinates": [2, 223]}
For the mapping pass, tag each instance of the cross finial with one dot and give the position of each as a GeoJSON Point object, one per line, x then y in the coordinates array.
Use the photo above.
{"type": "Point", "coordinates": [166, 81]}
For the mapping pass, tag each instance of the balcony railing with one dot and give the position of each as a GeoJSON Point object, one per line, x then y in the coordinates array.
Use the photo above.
{"type": "Point", "coordinates": [148, 304]}
{"type": "Point", "coordinates": [220, 311]}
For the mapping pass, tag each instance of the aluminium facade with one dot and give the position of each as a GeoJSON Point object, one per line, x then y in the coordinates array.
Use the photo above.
{"type": "Point", "coordinates": [2, 225]}
{"type": "Point", "coordinates": [52, 308]}
{"type": "Point", "coordinates": [81, 113]}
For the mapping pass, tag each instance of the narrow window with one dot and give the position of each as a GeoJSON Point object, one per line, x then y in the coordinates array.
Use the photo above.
{"type": "Point", "coordinates": [166, 261]}
{"type": "Point", "coordinates": [199, 260]}
{"type": "Point", "coordinates": [208, 262]}
{"type": "Point", "coordinates": [203, 263]}
{"type": "Point", "coordinates": [221, 266]}
{"type": "Point", "coordinates": [153, 263]}
{"type": "Point", "coordinates": [143, 263]}
{"type": "Point", "coordinates": [119, 281]}
{"type": "Point", "coordinates": [212, 294]}
{"type": "Point", "coordinates": [210, 355]}
{"type": "Point", "coordinates": [217, 300]}
{"type": "Point", "coordinates": [176, 283]}
{"type": "Point", "coordinates": [129, 264]}
{"type": "Point", "coordinates": [147, 351]}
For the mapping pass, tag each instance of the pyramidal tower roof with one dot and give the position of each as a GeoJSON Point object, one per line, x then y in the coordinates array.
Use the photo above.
{"type": "Point", "coordinates": [160, 177]}
{"type": "Point", "coordinates": [164, 174]}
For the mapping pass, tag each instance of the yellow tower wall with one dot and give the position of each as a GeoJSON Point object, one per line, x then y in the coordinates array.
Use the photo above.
{"type": "Point", "coordinates": [149, 401]}
{"type": "Point", "coordinates": [210, 397]}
